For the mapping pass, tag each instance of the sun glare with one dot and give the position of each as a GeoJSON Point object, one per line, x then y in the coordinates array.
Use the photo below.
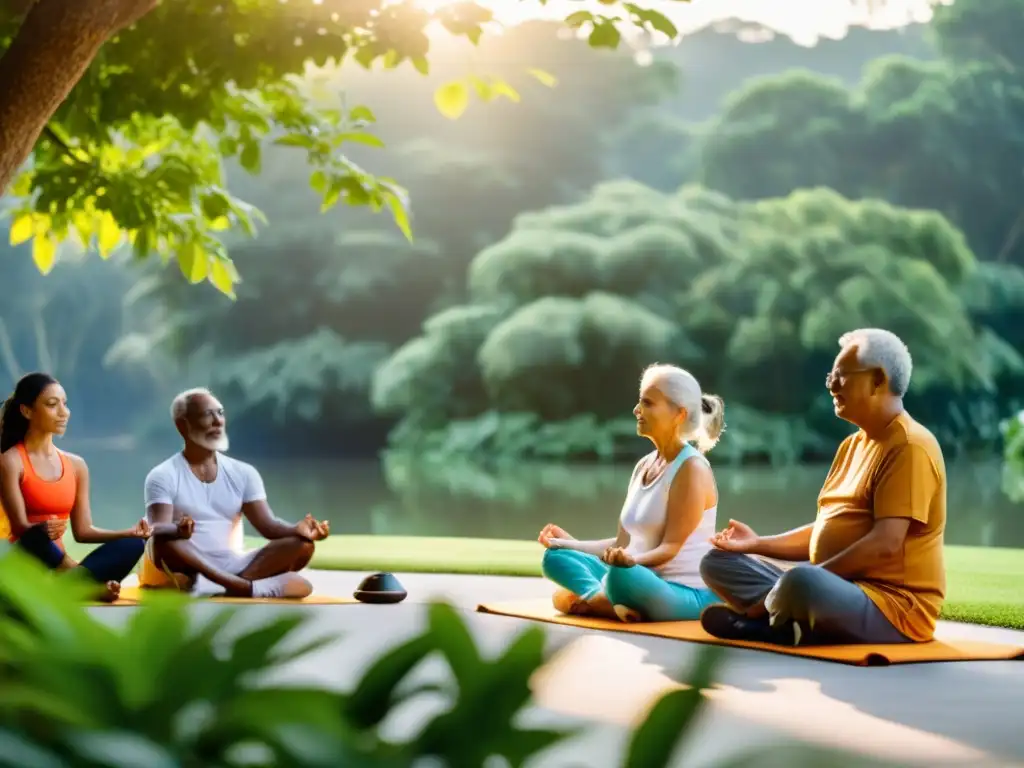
{"type": "Point", "coordinates": [804, 20]}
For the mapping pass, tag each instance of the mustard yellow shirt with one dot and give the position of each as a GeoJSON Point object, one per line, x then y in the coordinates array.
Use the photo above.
{"type": "Point", "coordinates": [900, 475]}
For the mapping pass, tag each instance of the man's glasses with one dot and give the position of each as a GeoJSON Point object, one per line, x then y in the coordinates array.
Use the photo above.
{"type": "Point", "coordinates": [209, 414]}
{"type": "Point", "coordinates": [842, 377]}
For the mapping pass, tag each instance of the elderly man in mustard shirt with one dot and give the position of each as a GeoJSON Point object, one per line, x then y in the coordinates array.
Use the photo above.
{"type": "Point", "coordinates": [871, 564]}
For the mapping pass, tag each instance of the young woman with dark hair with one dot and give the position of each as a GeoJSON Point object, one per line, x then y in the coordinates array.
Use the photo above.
{"type": "Point", "coordinates": [43, 488]}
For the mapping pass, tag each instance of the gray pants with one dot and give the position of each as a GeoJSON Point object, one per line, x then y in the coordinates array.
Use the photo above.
{"type": "Point", "coordinates": [835, 610]}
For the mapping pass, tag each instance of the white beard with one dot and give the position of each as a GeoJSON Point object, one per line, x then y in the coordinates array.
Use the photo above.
{"type": "Point", "coordinates": [220, 444]}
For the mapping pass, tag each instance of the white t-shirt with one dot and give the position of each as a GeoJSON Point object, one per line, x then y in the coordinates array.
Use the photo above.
{"type": "Point", "coordinates": [216, 507]}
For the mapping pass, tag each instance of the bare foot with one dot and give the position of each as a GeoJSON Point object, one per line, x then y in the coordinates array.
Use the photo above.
{"type": "Point", "coordinates": [573, 605]}
{"type": "Point", "coordinates": [569, 603]}
{"type": "Point", "coordinates": [600, 606]}
{"type": "Point", "coordinates": [110, 592]}
{"type": "Point", "coordinates": [627, 615]}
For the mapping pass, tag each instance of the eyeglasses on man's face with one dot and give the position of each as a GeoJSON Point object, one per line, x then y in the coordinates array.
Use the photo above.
{"type": "Point", "coordinates": [836, 379]}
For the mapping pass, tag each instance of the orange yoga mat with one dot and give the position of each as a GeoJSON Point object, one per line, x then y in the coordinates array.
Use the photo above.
{"type": "Point", "coordinates": [690, 631]}
{"type": "Point", "coordinates": [132, 596]}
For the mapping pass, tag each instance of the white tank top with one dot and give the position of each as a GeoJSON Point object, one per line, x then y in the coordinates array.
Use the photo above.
{"type": "Point", "coordinates": [644, 516]}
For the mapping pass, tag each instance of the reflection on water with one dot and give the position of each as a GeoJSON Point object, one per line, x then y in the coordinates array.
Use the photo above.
{"type": "Point", "coordinates": [402, 497]}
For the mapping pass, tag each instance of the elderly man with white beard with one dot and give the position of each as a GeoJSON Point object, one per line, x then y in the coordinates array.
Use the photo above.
{"type": "Point", "coordinates": [195, 502]}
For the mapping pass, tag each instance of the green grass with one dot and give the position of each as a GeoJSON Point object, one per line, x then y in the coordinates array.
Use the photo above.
{"type": "Point", "coordinates": [985, 584]}
{"type": "Point", "coordinates": [413, 554]}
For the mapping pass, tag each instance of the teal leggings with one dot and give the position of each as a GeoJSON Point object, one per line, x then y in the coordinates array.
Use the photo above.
{"type": "Point", "coordinates": [637, 588]}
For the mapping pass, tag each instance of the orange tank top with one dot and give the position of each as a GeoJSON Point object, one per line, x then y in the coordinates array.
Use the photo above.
{"type": "Point", "coordinates": [47, 499]}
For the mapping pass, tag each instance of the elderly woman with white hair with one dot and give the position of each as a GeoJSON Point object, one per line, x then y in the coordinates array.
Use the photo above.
{"type": "Point", "coordinates": [651, 570]}
{"type": "Point", "coordinates": [871, 564]}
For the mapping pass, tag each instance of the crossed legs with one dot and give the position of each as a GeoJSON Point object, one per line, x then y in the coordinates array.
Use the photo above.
{"type": "Point", "coordinates": [280, 556]}
{"type": "Point", "coordinates": [591, 587]}
{"type": "Point", "coordinates": [826, 608]}
{"type": "Point", "coordinates": [108, 565]}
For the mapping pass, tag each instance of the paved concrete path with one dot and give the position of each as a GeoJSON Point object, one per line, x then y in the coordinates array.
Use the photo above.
{"type": "Point", "coordinates": [965, 713]}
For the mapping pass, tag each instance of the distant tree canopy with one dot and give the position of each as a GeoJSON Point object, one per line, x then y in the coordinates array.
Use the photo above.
{"type": "Point", "coordinates": [946, 134]}
{"type": "Point", "coordinates": [116, 115]}
{"type": "Point", "coordinates": [565, 312]}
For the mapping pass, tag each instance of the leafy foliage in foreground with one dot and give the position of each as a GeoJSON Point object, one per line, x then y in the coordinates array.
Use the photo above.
{"type": "Point", "coordinates": [165, 693]}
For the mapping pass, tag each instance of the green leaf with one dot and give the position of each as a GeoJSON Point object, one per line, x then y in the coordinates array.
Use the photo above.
{"type": "Point", "coordinates": [508, 677]}
{"type": "Point", "coordinates": [352, 188]}
{"type": "Point", "coordinates": [193, 262]}
{"type": "Point", "coordinates": [257, 647]}
{"type": "Point", "coordinates": [297, 744]}
{"type": "Point", "coordinates": [22, 229]}
{"type": "Point", "coordinates": [362, 114]}
{"type": "Point", "coordinates": [366, 56]}
{"type": "Point", "coordinates": [653, 744]}
{"type": "Point", "coordinates": [251, 157]}
{"type": "Point", "coordinates": [373, 697]}
{"type": "Point", "coordinates": [222, 277]}
{"type": "Point", "coordinates": [660, 22]}
{"type": "Point", "coordinates": [502, 88]}
{"type": "Point", "coordinates": [605, 35]}
{"type": "Point", "coordinates": [152, 638]}
{"type": "Point", "coordinates": [452, 99]}
{"type": "Point", "coordinates": [578, 19]}
{"type": "Point", "coordinates": [499, 689]}
{"type": "Point", "coordinates": [115, 749]}
{"type": "Point", "coordinates": [545, 78]}
{"type": "Point", "coordinates": [521, 745]}
{"type": "Point", "coordinates": [421, 64]}
{"type": "Point", "coordinates": [292, 140]}
{"type": "Point", "coordinates": [454, 640]}
{"type": "Point", "coordinates": [361, 138]}
{"type": "Point", "coordinates": [483, 88]}
{"type": "Point", "coordinates": [44, 252]}
{"type": "Point", "coordinates": [399, 212]}
{"type": "Point", "coordinates": [215, 205]}
{"type": "Point", "coordinates": [109, 235]}
{"type": "Point", "coordinates": [22, 186]}
{"type": "Point", "coordinates": [331, 197]}
{"type": "Point", "coordinates": [39, 702]}
{"type": "Point", "coordinates": [261, 708]}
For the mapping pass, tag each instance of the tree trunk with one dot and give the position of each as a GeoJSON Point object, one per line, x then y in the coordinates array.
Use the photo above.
{"type": "Point", "coordinates": [55, 44]}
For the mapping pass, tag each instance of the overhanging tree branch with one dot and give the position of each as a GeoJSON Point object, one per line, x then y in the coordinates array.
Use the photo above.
{"type": "Point", "coordinates": [55, 44]}
{"type": "Point", "coordinates": [56, 138]}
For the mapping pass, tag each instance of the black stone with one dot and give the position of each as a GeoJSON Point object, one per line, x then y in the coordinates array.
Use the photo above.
{"type": "Point", "coordinates": [380, 588]}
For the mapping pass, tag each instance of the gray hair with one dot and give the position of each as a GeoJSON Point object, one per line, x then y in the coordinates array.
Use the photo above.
{"type": "Point", "coordinates": [179, 405]}
{"type": "Point", "coordinates": [878, 348]}
{"type": "Point", "coordinates": [705, 414]}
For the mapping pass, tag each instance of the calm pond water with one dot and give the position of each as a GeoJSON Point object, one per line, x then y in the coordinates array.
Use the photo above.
{"type": "Point", "coordinates": [399, 497]}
